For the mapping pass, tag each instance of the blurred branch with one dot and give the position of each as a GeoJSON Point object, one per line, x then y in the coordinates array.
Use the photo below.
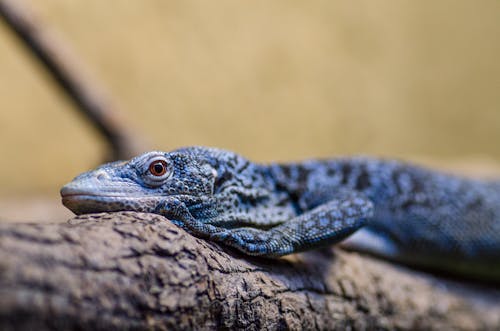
{"type": "Point", "coordinates": [67, 71]}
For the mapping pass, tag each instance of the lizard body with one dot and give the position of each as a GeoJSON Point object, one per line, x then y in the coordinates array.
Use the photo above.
{"type": "Point", "coordinates": [396, 210]}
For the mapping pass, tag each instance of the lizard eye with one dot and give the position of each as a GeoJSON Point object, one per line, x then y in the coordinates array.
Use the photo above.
{"type": "Point", "coordinates": [158, 168]}
{"type": "Point", "coordinates": [154, 168]}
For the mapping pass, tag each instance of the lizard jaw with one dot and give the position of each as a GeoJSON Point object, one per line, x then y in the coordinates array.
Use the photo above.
{"type": "Point", "coordinates": [87, 195]}
{"type": "Point", "coordinates": [87, 203]}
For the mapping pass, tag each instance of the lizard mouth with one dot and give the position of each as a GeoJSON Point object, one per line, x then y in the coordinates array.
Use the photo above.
{"type": "Point", "coordinates": [86, 196]}
{"type": "Point", "coordinates": [85, 203]}
{"type": "Point", "coordinates": [73, 190]}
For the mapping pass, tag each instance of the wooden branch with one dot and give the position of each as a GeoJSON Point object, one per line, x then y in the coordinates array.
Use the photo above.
{"type": "Point", "coordinates": [138, 271]}
{"type": "Point", "coordinates": [68, 72]}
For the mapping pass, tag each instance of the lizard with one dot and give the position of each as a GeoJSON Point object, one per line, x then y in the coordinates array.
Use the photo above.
{"type": "Point", "coordinates": [389, 208]}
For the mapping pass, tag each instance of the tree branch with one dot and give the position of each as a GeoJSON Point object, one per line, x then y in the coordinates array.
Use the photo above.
{"type": "Point", "coordinates": [139, 271]}
{"type": "Point", "coordinates": [68, 72]}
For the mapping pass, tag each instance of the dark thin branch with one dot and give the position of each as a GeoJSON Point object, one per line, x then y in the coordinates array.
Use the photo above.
{"type": "Point", "coordinates": [67, 71]}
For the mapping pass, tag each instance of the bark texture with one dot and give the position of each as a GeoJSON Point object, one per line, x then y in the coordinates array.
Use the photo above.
{"type": "Point", "coordinates": [132, 271]}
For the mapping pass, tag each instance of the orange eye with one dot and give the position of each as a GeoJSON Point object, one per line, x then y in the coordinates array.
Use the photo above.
{"type": "Point", "coordinates": [158, 168]}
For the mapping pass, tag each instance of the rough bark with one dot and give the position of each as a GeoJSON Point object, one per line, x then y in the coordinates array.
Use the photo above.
{"type": "Point", "coordinates": [138, 271]}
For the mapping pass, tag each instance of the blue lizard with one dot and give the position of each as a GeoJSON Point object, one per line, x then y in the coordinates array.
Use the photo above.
{"type": "Point", "coordinates": [389, 208]}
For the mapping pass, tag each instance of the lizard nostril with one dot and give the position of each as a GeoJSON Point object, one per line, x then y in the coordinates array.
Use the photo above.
{"type": "Point", "coordinates": [102, 176]}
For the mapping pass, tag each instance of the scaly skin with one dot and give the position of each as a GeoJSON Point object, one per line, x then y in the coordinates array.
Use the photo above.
{"type": "Point", "coordinates": [395, 210]}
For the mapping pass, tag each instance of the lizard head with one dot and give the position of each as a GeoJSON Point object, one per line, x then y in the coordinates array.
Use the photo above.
{"type": "Point", "coordinates": [141, 183]}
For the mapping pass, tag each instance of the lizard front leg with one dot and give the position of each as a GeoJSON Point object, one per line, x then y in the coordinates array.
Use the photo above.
{"type": "Point", "coordinates": [178, 213]}
{"type": "Point", "coordinates": [326, 224]}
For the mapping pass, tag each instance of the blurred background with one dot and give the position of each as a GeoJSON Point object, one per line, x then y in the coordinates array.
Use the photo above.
{"type": "Point", "coordinates": [274, 81]}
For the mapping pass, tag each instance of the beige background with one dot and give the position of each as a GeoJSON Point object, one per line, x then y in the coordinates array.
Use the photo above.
{"type": "Point", "coordinates": [273, 80]}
